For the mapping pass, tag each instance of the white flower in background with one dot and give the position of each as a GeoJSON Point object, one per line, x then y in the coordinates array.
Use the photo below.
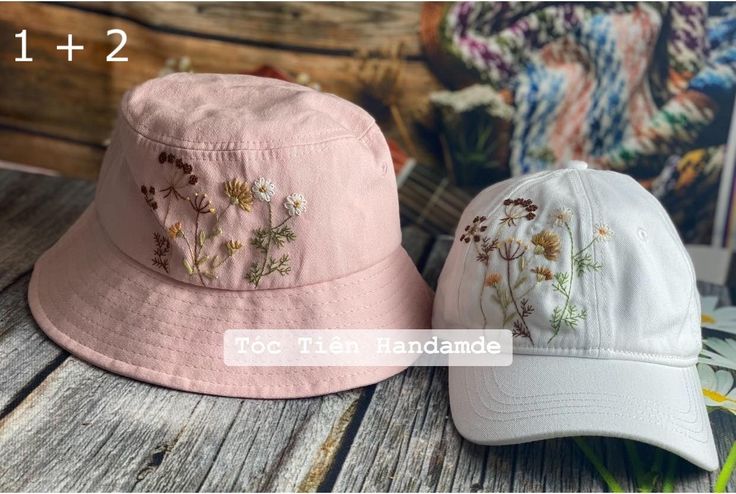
{"type": "Point", "coordinates": [721, 319]}
{"type": "Point", "coordinates": [719, 352]}
{"type": "Point", "coordinates": [603, 232]}
{"type": "Point", "coordinates": [295, 204]}
{"type": "Point", "coordinates": [718, 388]}
{"type": "Point", "coordinates": [561, 216]}
{"type": "Point", "coordinates": [263, 189]}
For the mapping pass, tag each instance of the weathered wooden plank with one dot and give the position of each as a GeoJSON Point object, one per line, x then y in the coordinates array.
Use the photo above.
{"type": "Point", "coordinates": [25, 353]}
{"type": "Point", "coordinates": [77, 101]}
{"type": "Point", "coordinates": [69, 158]}
{"type": "Point", "coordinates": [81, 421]}
{"type": "Point", "coordinates": [392, 450]}
{"type": "Point", "coordinates": [336, 27]}
{"type": "Point", "coordinates": [34, 211]}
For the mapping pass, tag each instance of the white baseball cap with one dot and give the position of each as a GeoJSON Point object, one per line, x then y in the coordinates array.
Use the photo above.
{"type": "Point", "coordinates": [588, 272]}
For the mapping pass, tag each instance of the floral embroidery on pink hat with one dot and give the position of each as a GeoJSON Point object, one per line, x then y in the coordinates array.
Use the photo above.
{"type": "Point", "coordinates": [274, 236]}
{"type": "Point", "coordinates": [204, 255]}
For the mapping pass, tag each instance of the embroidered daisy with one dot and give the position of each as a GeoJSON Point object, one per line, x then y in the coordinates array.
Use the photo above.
{"type": "Point", "coordinates": [717, 388]}
{"type": "Point", "coordinates": [561, 216]}
{"type": "Point", "coordinates": [603, 232]}
{"type": "Point", "coordinates": [263, 189]}
{"type": "Point", "coordinates": [295, 204]}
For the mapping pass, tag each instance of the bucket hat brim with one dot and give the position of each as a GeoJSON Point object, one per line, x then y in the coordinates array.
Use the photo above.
{"type": "Point", "coordinates": [544, 397]}
{"type": "Point", "coordinates": [107, 309]}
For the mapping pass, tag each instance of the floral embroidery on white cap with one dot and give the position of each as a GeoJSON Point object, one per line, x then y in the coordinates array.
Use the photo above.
{"type": "Point", "coordinates": [528, 265]}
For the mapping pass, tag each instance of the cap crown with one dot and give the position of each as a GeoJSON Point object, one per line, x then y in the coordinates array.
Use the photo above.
{"type": "Point", "coordinates": [575, 263]}
{"type": "Point", "coordinates": [240, 182]}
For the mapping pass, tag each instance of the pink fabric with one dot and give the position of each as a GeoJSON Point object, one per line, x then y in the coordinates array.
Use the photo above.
{"type": "Point", "coordinates": [99, 294]}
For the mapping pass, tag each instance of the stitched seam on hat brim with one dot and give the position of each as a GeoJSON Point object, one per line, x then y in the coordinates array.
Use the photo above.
{"type": "Point", "coordinates": [656, 417]}
{"type": "Point", "coordinates": [179, 143]}
{"type": "Point", "coordinates": [557, 397]}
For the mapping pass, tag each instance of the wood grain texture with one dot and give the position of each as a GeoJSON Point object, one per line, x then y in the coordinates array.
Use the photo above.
{"type": "Point", "coordinates": [68, 158]}
{"type": "Point", "coordinates": [77, 101]}
{"type": "Point", "coordinates": [26, 354]}
{"type": "Point", "coordinates": [334, 27]}
{"type": "Point", "coordinates": [34, 211]}
{"type": "Point", "coordinates": [86, 429]}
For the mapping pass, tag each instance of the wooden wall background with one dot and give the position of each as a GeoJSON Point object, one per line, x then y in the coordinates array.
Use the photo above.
{"type": "Point", "coordinates": [58, 114]}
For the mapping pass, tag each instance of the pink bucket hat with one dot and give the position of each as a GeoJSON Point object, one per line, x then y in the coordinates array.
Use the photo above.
{"type": "Point", "coordinates": [231, 202]}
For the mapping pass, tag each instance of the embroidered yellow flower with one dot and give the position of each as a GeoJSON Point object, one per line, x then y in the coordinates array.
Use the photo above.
{"type": "Point", "coordinates": [175, 230]}
{"type": "Point", "coordinates": [543, 273]}
{"type": "Point", "coordinates": [547, 243]}
{"type": "Point", "coordinates": [493, 279]}
{"type": "Point", "coordinates": [232, 247]}
{"type": "Point", "coordinates": [239, 194]}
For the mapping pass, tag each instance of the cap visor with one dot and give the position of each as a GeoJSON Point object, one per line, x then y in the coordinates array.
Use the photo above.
{"type": "Point", "coordinates": [546, 397]}
{"type": "Point", "coordinates": [109, 310]}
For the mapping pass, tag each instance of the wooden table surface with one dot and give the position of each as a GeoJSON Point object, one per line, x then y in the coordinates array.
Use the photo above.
{"type": "Point", "coordinates": [68, 426]}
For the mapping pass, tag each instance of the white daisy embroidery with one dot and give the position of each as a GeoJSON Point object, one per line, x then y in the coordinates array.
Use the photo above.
{"type": "Point", "coordinates": [295, 204]}
{"type": "Point", "coordinates": [603, 231]}
{"type": "Point", "coordinates": [561, 216]}
{"type": "Point", "coordinates": [263, 189]}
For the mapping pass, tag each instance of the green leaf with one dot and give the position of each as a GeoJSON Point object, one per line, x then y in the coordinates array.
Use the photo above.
{"type": "Point", "coordinates": [522, 279]}
{"type": "Point", "coordinates": [188, 267]}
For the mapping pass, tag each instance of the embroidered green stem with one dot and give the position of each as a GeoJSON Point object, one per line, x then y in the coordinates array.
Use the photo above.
{"type": "Point", "coordinates": [594, 460]}
{"type": "Point", "coordinates": [564, 286]}
{"type": "Point", "coordinates": [726, 470]}
{"type": "Point", "coordinates": [480, 302]}
{"type": "Point", "coordinates": [196, 258]}
{"type": "Point", "coordinates": [268, 243]}
{"type": "Point", "coordinates": [504, 305]}
{"type": "Point", "coordinates": [264, 240]}
{"type": "Point", "coordinates": [482, 288]}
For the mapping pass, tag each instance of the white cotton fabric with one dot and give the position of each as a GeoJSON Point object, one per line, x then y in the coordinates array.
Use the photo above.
{"type": "Point", "coordinates": [628, 368]}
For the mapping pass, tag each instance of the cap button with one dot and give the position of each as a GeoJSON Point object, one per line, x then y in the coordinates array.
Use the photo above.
{"type": "Point", "coordinates": [577, 165]}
